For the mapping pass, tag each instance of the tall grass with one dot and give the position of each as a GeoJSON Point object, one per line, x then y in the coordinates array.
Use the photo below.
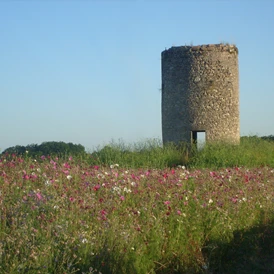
{"type": "Point", "coordinates": [252, 152]}
{"type": "Point", "coordinates": [149, 153]}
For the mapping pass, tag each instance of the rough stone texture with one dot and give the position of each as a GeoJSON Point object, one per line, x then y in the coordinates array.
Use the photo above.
{"type": "Point", "coordinates": [200, 92]}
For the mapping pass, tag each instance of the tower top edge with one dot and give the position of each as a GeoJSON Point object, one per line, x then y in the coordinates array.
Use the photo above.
{"type": "Point", "coordinates": [206, 47]}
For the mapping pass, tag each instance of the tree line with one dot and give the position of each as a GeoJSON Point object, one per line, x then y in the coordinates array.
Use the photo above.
{"type": "Point", "coordinates": [46, 148]}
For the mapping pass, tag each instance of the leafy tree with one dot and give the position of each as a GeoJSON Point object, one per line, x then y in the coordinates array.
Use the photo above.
{"type": "Point", "coordinates": [47, 148]}
{"type": "Point", "coordinates": [18, 150]}
{"type": "Point", "coordinates": [268, 138]}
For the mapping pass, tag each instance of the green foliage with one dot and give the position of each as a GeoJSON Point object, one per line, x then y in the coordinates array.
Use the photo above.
{"type": "Point", "coordinates": [150, 154]}
{"type": "Point", "coordinates": [18, 150]}
{"type": "Point", "coordinates": [46, 148]}
{"type": "Point", "coordinates": [253, 151]}
{"type": "Point", "coordinates": [268, 138]}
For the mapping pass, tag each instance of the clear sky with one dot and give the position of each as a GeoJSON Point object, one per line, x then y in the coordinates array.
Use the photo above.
{"type": "Point", "coordinates": [88, 72]}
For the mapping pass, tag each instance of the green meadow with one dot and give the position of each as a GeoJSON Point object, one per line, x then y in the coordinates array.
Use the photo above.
{"type": "Point", "coordinates": [140, 208]}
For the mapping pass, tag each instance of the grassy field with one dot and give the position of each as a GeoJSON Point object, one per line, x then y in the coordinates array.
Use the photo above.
{"type": "Point", "coordinates": [140, 209]}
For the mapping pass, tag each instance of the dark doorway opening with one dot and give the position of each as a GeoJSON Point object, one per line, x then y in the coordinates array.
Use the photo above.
{"type": "Point", "coordinates": [198, 138]}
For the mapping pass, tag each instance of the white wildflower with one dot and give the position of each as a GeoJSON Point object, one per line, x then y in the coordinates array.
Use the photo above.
{"type": "Point", "coordinates": [100, 176]}
{"type": "Point", "coordinates": [116, 189]}
{"type": "Point", "coordinates": [127, 190]}
{"type": "Point", "coordinates": [84, 241]}
{"type": "Point", "coordinates": [210, 201]}
{"type": "Point", "coordinates": [69, 177]}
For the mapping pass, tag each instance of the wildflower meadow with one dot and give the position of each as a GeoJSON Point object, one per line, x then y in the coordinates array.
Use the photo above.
{"type": "Point", "coordinates": [85, 215]}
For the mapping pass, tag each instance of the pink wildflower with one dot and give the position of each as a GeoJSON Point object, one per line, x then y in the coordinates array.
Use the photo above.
{"type": "Point", "coordinates": [65, 172]}
{"type": "Point", "coordinates": [147, 173]}
{"type": "Point", "coordinates": [38, 196]}
{"type": "Point", "coordinates": [4, 174]}
{"type": "Point", "coordinates": [212, 173]}
{"type": "Point", "coordinates": [234, 200]}
{"type": "Point", "coordinates": [26, 177]}
{"type": "Point", "coordinates": [66, 165]}
{"type": "Point", "coordinates": [97, 187]}
{"type": "Point", "coordinates": [33, 176]}
{"type": "Point", "coordinates": [103, 214]}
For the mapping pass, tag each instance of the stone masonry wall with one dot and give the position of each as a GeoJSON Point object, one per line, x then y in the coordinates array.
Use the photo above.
{"type": "Point", "coordinates": [200, 92]}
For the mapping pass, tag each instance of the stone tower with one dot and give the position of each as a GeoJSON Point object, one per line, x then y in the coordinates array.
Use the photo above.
{"type": "Point", "coordinates": [200, 93]}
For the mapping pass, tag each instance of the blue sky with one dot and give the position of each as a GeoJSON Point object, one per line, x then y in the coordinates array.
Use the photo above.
{"type": "Point", "coordinates": [88, 72]}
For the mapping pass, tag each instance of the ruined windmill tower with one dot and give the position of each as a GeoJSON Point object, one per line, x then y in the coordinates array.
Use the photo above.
{"type": "Point", "coordinates": [200, 93]}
